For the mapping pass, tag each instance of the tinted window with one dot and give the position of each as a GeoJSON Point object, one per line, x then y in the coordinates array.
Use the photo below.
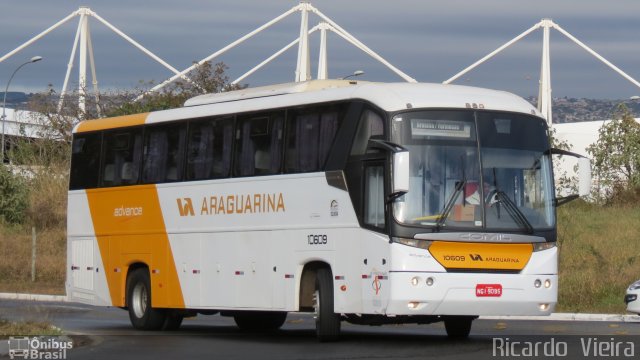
{"type": "Point", "coordinates": [374, 196]}
{"type": "Point", "coordinates": [310, 137]}
{"type": "Point", "coordinates": [163, 153]}
{"type": "Point", "coordinates": [85, 161]}
{"type": "Point", "coordinates": [259, 147]}
{"type": "Point", "coordinates": [122, 157]}
{"type": "Point", "coordinates": [370, 127]}
{"type": "Point", "coordinates": [209, 149]}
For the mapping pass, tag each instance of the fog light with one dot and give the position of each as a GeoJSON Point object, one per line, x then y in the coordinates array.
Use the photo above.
{"type": "Point", "coordinates": [415, 281]}
{"type": "Point", "coordinates": [537, 283]}
{"type": "Point", "coordinates": [544, 307]}
{"type": "Point", "coordinates": [430, 281]}
{"type": "Point", "coordinates": [413, 305]}
{"type": "Point", "coordinates": [547, 283]}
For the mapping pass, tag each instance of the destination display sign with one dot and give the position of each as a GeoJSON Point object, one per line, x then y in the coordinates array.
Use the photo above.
{"type": "Point", "coordinates": [440, 128]}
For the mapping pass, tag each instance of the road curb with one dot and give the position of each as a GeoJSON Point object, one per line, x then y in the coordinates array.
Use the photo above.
{"type": "Point", "coordinates": [571, 317]}
{"type": "Point", "coordinates": [33, 297]}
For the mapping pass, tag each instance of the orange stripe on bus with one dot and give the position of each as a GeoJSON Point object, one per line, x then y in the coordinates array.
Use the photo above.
{"type": "Point", "coordinates": [130, 228]}
{"type": "Point", "coordinates": [112, 122]}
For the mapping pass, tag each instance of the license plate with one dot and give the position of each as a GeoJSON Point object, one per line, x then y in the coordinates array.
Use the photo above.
{"type": "Point", "coordinates": [488, 290]}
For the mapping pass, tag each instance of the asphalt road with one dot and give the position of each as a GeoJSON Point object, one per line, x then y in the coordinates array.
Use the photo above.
{"type": "Point", "coordinates": [105, 333]}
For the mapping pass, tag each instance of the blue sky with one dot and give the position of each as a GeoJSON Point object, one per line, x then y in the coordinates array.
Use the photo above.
{"type": "Point", "coordinates": [429, 40]}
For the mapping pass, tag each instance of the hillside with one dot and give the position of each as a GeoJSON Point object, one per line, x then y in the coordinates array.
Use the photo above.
{"type": "Point", "coordinates": [567, 110]}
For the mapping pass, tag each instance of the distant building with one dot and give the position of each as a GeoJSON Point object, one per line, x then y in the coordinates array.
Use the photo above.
{"type": "Point", "coordinates": [579, 135]}
{"type": "Point", "coordinates": [22, 124]}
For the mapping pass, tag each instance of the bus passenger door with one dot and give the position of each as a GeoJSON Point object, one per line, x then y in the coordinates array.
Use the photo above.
{"type": "Point", "coordinates": [374, 245]}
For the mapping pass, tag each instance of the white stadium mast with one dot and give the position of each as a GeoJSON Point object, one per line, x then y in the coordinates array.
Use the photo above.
{"type": "Point", "coordinates": [544, 94]}
{"type": "Point", "coordinates": [83, 38]}
{"type": "Point", "coordinates": [303, 68]}
{"type": "Point", "coordinates": [303, 64]}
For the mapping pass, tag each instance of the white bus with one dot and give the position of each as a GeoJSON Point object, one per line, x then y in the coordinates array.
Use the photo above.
{"type": "Point", "coordinates": [362, 202]}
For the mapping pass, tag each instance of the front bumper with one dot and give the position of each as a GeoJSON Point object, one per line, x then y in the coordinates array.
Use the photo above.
{"type": "Point", "coordinates": [463, 294]}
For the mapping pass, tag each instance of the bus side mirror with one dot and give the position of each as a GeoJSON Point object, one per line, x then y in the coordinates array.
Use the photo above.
{"type": "Point", "coordinates": [400, 172]}
{"type": "Point", "coordinates": [400, 165]}
{"type": "Point", "coordinates": [584, 176]}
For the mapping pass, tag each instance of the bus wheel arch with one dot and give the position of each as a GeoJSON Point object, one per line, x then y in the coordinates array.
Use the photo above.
{"type": "Point", "coordinates": [308, 284]}
{"type": "Point", "coordinates": [316, 293]}
{"type": "Point", "coordinates": [138, 300]}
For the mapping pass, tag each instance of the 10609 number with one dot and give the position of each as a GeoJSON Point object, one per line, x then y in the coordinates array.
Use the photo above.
{"type": "Point", "coordinates": [317, 239]}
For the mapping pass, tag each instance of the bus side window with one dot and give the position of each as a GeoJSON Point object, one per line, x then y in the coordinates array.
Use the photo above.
{"type": "Point", "coordinates": [209, 149]}
{"type": "Point", "coordinates": [311, 135]}
{"type": "Point", "coordinates": [259, 148]}
{"type": "Point", "coordinates": [85, 161]}
{"type": "Point", "coordinates": [374, 196]}
{"type": "Point", "coordinates": [370, 127]}
{"type": "Point", "coordinates": [122, 158]}
{"type": "Point", "coordinates": [162, 160]}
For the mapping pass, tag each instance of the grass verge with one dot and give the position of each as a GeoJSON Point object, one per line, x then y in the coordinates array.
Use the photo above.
{"type": "Point", "coordinates": [27, 328]}
{"type": "Point", "coordinates": [599, 256]}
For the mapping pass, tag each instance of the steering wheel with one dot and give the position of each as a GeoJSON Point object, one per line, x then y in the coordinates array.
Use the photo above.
{"type": "Point", "coordinates": [492, 198]}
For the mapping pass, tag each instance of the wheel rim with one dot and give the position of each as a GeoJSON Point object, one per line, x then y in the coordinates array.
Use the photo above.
{"type": "Point", "coordinates": [139, 300]}
{"type": "Point", "coordinates": [316, 306]}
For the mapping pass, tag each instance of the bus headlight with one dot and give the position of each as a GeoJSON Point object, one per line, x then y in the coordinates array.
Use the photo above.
{"type": "Point", "coordinates": [421, 244]}
{"type": "Point", "coordinates": [540, 246]}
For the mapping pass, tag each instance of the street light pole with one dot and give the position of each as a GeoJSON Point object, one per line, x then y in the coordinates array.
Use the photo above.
{"type": "Point", "coordinates": [355, 73]}
{"type": "Point", "coordinates": [4, 100]}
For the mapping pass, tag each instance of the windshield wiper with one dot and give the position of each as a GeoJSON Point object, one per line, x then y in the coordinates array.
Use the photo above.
{"type": "Point", "coordinates": [513, 211]}
{"type": "Point", "coordinates": [444, 214]}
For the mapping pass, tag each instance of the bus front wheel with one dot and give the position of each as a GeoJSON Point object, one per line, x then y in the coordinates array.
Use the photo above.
{"type": "Point", "coordinates": [141, 314]}
{"type": "Point", "coordinates": [327, 321]}
{"type": "Point", "coordinates": [458, 327]}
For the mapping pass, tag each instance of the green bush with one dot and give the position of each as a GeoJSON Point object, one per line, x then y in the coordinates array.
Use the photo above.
{"type": "Point", "coordinates": [13, 196]}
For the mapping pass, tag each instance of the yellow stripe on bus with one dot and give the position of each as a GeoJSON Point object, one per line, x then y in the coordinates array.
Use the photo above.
{"type": "Point", "coordinates": [130, 229]}
{"type": "Point", "coordinates": [486, 256]}
{"type": "Point", "coordinates": [112, 122]}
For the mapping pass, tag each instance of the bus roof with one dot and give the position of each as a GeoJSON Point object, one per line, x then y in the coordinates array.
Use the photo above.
{"type": "Point", "coordinates": [387, 96]}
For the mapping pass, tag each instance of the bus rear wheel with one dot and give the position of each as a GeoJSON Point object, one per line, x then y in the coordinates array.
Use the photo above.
{"type": "Point", "coordinates": [327, 321]}
{"type": "Point", "coordinates": [173, 320]}
{"type": "Point", "coordinates": [458, 327]}
{"type": "Point", "coordinates": [260, 320]}
{"type": "Point", "coordinates": [141, 314]}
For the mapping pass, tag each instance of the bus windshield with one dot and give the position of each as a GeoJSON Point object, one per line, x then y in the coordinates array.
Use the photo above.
{"type": "Point", "coordinates": [475, 170]}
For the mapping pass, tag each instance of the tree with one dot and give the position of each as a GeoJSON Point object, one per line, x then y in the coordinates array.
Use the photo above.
{"type": "Point", "coordinates": [616, 154]}
{"type": "Point", "coordinates": [205, 78]}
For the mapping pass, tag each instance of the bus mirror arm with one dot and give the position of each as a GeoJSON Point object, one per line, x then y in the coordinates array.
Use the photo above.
{"type": "Point", "coordinates": [393, 196]}
{"type": "Point", "coordinates": [385, 145]}
{"type": "Point", "coordinates": [584, 175]}
{"type": "Point", "coordinates": [400, 166]}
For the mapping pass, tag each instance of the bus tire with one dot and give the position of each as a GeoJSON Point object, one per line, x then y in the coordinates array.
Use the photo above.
{"type": "Point", "coordinates": [172, 320]}
{"type": "Point", "coordinates": [327, 321]}
{"type": "Point", "coordinates": [141, 314]}
{"type": "Point", "coordinates": [458, 327]}
{"type": "Point", "coordinates": [260, 320]}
